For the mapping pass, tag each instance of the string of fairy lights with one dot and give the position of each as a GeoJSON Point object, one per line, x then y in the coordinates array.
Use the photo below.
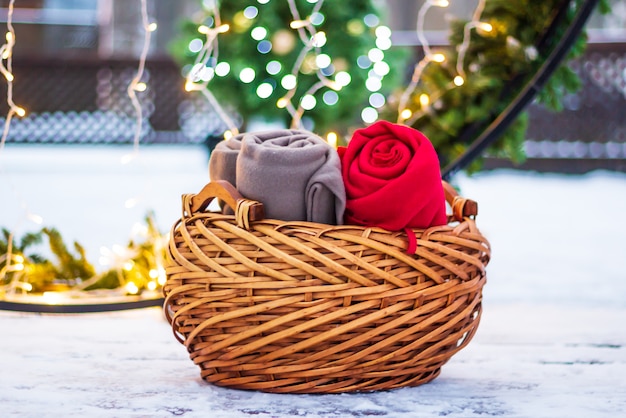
{"type": "Point", "coordinates": [6, 55]}
{"type": "Point", "coordinates": [409, 116]}
{"type": "Point", "coordinates": [136, 85]}
{"type": "Point", "coordinates": [12, 262]}
{"type": "Point", "coordinates": [207, 66]}
{"type": "Point", "coordinates": [202, 72]}
{"type": "Point", "coordinates": [312, 40]}
{"type": "Point", "coordinates": [119, 259]}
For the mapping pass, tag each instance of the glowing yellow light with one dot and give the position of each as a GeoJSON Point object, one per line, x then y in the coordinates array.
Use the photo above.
{"type": "Point", "coordinates": [18, 258]}
{"type": "Point", "coordinates": [484, 26]}
{"type": "Point", "coordinates": [9, 37]}
{"type": "Point", "coordinates": [441, 3]}
{"type": "Point", "coordinates": [228, 134]}
{"type": "Point", "coordinates": [141, 86]}
{"type": "Point", "coordinates": [162, 277]}
{"type": "Point", "coordinates": [132, 288]}
{"type": "Point", "coordinates": [405, 114]}
{"type": "Point", "coordinates": [128, 266]}
{"type": "Point", "coordinates": [152, 285]}
{"type": "Point", "coordinates": [18, 267]}
{"type": "Point", "coordinates": [331, 138]}
{"type": "Point", "coordinates": [334, 85]}
{"type": "Point", "coordinates": [424, 99]}
{"type": "Point", "coordinates": [153, 274]}
{"type": "Point", "coordinates": [223, 28]}
{"type": "Point", "coordinates": [439, 57]}
{"type": "Point", "coordinates": [189, 85]}
{"type": "Point", "coordinates": [282, 103]}
{"type": "Point", "coordinates": [8, 76]}
{"type": "Point", "coordinates": [203, 29]}
{"type": "Point", "coordinates": [27, 286]}
{"type": "Point", "coordinates": [297, 24]}
{"type": "Point", "coordinates": [52, 298]}
{"type": "Point", "coordinates": [152, 27]}
{"type": "Point", "coordinates": [458, 80]}
{"type": "Point", "coordinates": [6, 54]}
{"type": "Point", "coordinates": [20, 112]}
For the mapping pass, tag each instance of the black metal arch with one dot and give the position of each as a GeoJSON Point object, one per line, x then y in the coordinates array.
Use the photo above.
{"type": "Point", "coordinates": [502, 121]}
{"type": "Point", "coordinates": [79, 308]}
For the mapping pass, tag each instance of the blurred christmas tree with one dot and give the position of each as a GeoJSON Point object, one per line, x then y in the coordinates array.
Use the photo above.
{"type": "Point", "coordinates": [268, 53]}
{"type": "Point", "coordinates": [489, 58]}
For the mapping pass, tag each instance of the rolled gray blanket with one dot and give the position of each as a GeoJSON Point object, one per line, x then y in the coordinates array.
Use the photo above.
{"type": "Point", "coordinates": [295, 174]}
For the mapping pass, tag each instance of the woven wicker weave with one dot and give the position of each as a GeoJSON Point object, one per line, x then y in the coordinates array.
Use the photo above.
{"type": "Point", "coordinates": [299, 307]}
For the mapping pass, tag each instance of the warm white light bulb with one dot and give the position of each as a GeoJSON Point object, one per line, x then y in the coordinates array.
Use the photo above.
{"type": "Point", "coordinates": [282, 103]}
{"type": "Point", "coordinates": [439, 57]}
{"type": "Point", "coordinates": [405, 114]}
{"type": "Point", "coordinates": [331, 138]}
{"type": "Point", "coordinates": [132, 288]}
{"type": "Point", "coordinates": [298, 24]}
{"type": "Point", "coordinates": [484, 26]}
{"type": "Point", "coordinates": [141, 86]}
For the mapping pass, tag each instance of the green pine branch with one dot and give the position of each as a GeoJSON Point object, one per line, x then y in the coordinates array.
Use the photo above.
{"type": "Point", "coordinates": [493, 63]}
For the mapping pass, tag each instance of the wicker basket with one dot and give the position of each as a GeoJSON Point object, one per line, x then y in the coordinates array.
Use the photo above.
{"type": "Point", "coordinates": [300, 307]}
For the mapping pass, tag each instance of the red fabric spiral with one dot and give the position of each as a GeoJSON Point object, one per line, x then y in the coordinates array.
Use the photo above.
{"type": "Point", "coordinates": [392, 177]}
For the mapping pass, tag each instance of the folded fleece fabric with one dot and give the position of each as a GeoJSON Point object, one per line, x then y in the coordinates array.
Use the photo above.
{"type": "Point", "coordinates": [392, 178]}
{"type": "Point", "coordinates": [294, 173]}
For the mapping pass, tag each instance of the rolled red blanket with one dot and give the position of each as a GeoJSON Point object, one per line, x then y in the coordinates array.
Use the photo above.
{"type": "Point", "coordinates": [392, 177]}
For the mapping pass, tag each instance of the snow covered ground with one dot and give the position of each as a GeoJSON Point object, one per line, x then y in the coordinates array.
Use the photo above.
{"type": "Point", "coordinates": [552, 341]}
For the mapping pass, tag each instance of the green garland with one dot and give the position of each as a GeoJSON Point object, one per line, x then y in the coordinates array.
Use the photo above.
{"type": "Point", "coordinates": [508, 52]}
{"type": "Point", "coordinates": [137, 269]}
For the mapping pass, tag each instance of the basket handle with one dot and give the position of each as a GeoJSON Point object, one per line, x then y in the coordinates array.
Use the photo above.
{"type": "Point", "coordinates": [247, 210]}
{"type": "Point", "coordinates": [461, 207]}
{"type": "Point", "coordinates": [254, 211]}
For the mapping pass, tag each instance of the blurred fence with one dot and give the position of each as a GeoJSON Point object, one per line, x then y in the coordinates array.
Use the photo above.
{"type": "Point", "coordinates": [85, 102]}
{"type": "Point", "coordinates": [590, 132]}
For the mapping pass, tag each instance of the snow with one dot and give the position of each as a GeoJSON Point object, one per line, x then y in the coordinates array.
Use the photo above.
{"type": "Point", "coordinates": [552, 341]}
